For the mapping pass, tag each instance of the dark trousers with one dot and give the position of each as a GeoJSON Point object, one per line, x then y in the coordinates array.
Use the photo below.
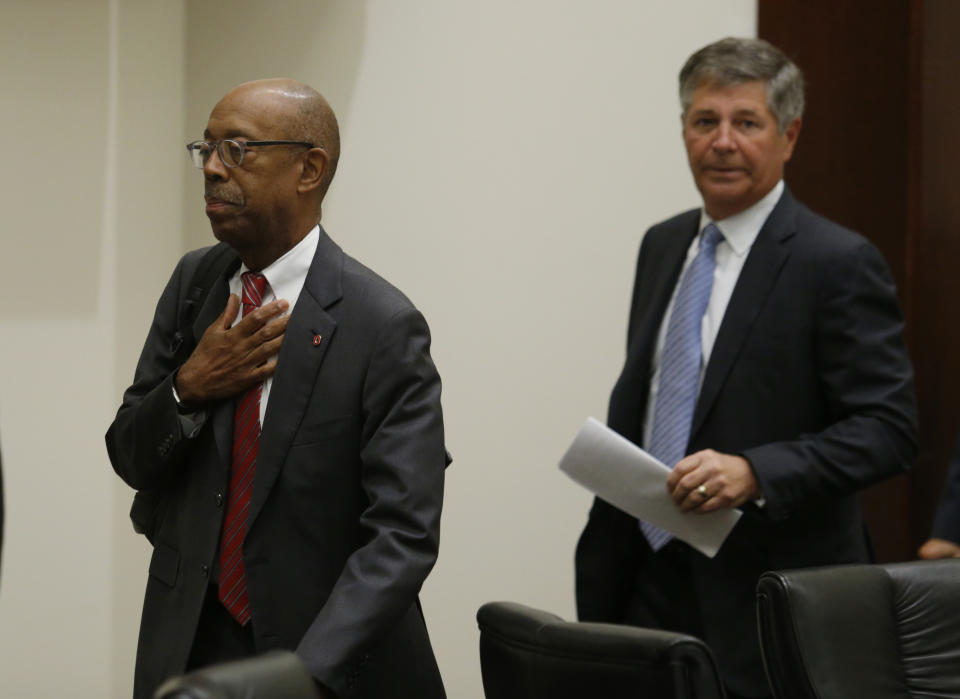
{"type": "Point", "coordinates": [220, 638]}
{"type": "Point", "coordinates": [665, 596]}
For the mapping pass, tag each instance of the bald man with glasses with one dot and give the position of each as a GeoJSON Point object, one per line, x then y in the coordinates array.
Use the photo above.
{"type": "Point", "coordinates": [284, 430]}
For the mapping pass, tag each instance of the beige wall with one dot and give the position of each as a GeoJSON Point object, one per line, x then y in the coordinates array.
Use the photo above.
{"type": "Point", "coordinates": [150, 77]}
{"type": "Point", "coordinates": [91, 129]}
{"type": "Point", "coordinates": [500, 163]}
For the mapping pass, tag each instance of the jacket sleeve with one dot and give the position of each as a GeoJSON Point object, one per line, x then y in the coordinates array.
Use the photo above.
{"type": "Point", "coordinates": [403, 459]}
{"type": "Point", "coordinates": [865, 380]}
{"type": "Point", "coordinates": [946, 524]}
{"type": "Point", "coordinates": [146, 441]}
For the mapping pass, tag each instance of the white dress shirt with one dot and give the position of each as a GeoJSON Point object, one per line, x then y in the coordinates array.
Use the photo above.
{"type": "Point", "coordinates": [739, 233]}
{"type": "Point", "coordinates": [285, 278]}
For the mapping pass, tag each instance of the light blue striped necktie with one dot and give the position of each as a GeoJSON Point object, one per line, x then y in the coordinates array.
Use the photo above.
{"type": "Point", "coordinates": [680, 365]}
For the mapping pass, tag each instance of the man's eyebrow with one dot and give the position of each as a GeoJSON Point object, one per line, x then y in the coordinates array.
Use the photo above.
{"type": "Point", "coordinates": [747, 111]}
{"type": "Point", "coordinates": [738, 112]}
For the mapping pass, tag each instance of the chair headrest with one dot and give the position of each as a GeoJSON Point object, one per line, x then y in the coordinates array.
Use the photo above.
{"type": "Point", "coordinates": [526, 652]}
{"type": "Point", "coordinates": [861, 630]}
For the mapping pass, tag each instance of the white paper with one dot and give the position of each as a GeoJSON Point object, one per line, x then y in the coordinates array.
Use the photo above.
{"type": "Point", "coordinates": [627, 477]}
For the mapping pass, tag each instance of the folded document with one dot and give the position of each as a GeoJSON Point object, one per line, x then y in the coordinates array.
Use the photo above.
{"type": "Point", "coordinates": [626, 476]}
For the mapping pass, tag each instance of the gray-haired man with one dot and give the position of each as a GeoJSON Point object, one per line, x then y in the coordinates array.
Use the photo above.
{"type": "Point", "coordinates": [765, 364]}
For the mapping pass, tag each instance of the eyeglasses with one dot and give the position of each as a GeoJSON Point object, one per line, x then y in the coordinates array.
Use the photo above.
{"type": "Point", "coordinates": [231, 152]}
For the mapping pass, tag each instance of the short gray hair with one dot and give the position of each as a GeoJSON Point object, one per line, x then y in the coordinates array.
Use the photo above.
{"type": "Point", "coordinates": [733, 61]}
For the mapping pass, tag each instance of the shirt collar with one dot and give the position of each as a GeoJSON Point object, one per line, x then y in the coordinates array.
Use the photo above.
{"type": "Point", "coordinates": [742, 229]}
{"type": "Point", "coordinates": [287, 273]}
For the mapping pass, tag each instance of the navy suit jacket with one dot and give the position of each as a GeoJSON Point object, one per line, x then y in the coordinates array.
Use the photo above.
{"type": "Point", "coordinates": [344, 517]}
{"type": "Point", "coordinates": [809, 380]}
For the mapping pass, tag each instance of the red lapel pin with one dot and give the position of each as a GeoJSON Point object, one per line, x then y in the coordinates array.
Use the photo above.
{"type": "Point", "coordinates": [316, 340]}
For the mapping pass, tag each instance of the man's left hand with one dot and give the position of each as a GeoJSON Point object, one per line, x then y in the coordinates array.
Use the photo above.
{"type": "Point", "coordinates": [708, 481]}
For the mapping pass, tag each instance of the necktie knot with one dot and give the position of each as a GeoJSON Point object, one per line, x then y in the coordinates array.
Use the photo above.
{"type": "Point", "coordinates": [710, 238]}
{"type": "Point", "coordinates": [254, 285]}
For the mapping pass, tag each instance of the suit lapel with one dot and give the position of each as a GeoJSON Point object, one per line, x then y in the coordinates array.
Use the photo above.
{"type": "Point", "coordinates": [757, 278]}
{"type": "Point", "coordinates": [305, 344]}
{"type": "Point", "coordinates": [669, 263]}
{"type": "Point", "coordinates": [661, 259]}
{"type": "Point", "coordinates": [222, 413]}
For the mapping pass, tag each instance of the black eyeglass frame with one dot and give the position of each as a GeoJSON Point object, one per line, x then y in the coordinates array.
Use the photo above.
{"type": "Point", "coordinates": [241, 145]}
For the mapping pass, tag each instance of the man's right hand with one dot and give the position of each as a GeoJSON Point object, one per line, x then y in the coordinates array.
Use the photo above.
{"type": "Point", "coordinates": [229, 360]}
{"type": "Point", "coordinates": [939, 548]}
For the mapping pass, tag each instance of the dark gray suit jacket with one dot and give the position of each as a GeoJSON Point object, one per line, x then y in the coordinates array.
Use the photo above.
{"type": "Point", "coordinates": [345, 511]}
{"type": "Point", "coordinates": [809, 379]}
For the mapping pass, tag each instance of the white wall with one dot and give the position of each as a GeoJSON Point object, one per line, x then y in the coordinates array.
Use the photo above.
{"type": "Point", "coordinates": [55, 602]}
{"type": "Point", "coordinates": [150, 81]}
{"type": "Point", "coordinates": [500, 162]}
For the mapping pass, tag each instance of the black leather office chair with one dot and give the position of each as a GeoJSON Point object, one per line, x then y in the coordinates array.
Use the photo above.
{"type": "Point", "coordinates": [526, 653]}
{"type": "Point", "coordinates": [870, 631]}
{"type": "Point", "coordinates": [274, 675]}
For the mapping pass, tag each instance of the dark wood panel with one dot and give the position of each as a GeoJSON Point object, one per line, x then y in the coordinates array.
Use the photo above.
{"type": "Point", "coordinates": [875, 155]}
{"type": "Point", "coordinates": [851, 163]}
{"type": "Point", "coordinates": [936, 248]}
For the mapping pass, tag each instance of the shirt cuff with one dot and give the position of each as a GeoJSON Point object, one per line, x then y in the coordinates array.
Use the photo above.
{"type": "Point", "coordinates": [191, 420]}
{"type": "Point", "coordinates": [192, 423]}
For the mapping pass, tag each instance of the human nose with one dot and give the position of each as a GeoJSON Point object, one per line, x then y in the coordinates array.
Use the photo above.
{"type": "Point", "coordinates": [724, 140]}
{"type": "Point", "coordinates": [214, 169]}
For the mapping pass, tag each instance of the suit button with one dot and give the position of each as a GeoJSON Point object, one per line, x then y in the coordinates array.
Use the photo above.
{"type": "Point", "coordinates": [219, 499]}
{"type": "Point", "coordinates": [205, 570]}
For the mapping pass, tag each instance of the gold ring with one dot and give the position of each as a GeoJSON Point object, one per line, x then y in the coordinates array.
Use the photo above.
{"type": "Point", "coordinates": [702, 490]}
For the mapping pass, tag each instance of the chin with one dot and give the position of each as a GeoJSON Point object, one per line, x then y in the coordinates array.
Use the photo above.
{"type": "Point", "coordinates": [225, 235]}
{"type": "Point", "coordinates": [722, 193]}
{"type": "Point", "coordinates": [219, 234]}
{"type": "Point", "coordinates": [720, 207]}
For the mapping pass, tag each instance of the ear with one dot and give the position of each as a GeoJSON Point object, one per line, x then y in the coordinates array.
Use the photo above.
{"type": "Point", "coordinates": [791, 134]}
{"type": "Point", "coordinates": [315, 166]}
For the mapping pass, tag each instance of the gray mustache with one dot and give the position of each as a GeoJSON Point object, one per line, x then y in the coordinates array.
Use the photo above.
{"type": "Point", "coordinates": [223, 195]}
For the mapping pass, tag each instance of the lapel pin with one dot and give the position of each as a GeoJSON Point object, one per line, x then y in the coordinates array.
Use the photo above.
{"type": "Point", "coordinates": [316, 340]}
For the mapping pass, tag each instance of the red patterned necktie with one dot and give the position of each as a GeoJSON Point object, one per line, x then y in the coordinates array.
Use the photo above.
{"type": "Point", "coordinates": [246, 441]}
